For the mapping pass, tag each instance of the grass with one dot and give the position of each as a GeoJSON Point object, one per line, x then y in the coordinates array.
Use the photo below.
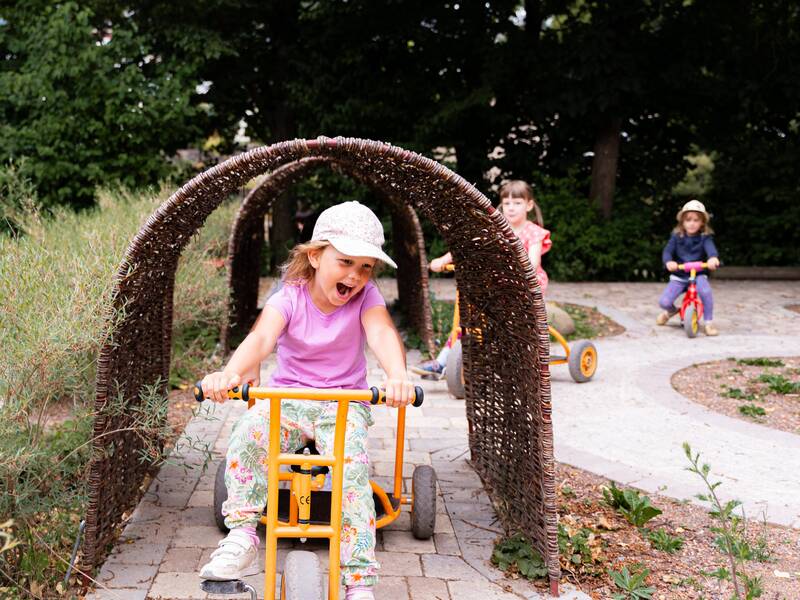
{"type": "Point", "coordinates": [761, 362]}
{"type": "Point", "coordinates": [55, 285]}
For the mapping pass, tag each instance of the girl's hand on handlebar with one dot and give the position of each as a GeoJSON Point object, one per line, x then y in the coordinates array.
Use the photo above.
{"type": "Point", "coordinates": [216, 385]}
{"type": "Point", "coordinates": [399, 392]}
{"type": "Point", "coordinates": [712, 263]}
{"type": "Point", "coordinates": [672, 266]}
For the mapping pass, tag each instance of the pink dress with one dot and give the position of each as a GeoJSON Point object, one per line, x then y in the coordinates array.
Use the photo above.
{"type": "Point", "coordinates": [529, 235]}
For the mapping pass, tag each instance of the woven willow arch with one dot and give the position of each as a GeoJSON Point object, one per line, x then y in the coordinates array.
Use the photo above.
{"type": "Point", "coordinates": [502, 311]}
{"type": "Point", "coordinates": [247, 239]}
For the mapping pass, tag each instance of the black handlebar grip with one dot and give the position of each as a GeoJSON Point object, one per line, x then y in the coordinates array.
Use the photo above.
{"type": "Point", "coordinates": [419, 396]}
{"type": "Point", "coordinates": [198, 392]}
{"type": "Point", "coordinates": [376, 395]}
{"type": "Point", "coordinates": [200, 396]}
{"type": "Point", "coordinates": [246, 392]}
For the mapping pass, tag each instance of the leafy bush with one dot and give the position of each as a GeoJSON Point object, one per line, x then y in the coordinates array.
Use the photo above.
{"type": "Point", "coordinates": [761, 362]}
{"type": "Point", "coordinates": [55, 288]}
{"type": "Point", "coordinates": [586, 247]}
{"type": "Point", "coordinates": [752, 410]}
{"type": "Point", "coordinates": [636, 509]}
{"type": "Point", "coordinates": [517, 554]}
{"type": "Point", "coordinates": [778, 384]}
{"type": "Point", "coordinates": [632, 584]}
{"type": "Point", "coordinates": [661, 540]}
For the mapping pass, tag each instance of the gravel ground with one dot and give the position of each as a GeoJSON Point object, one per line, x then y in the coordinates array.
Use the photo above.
{"type": "Point", "coordinates": [734, 388]}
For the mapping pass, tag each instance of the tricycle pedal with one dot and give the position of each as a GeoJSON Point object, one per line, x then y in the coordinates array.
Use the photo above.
{"type": "Point", "coordinates": [234, 586]}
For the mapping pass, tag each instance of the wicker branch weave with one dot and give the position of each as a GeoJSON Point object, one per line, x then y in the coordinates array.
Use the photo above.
{"type": "Point", "coordinates": [502, 311]}
{"type": "Point", "coordinates": [247, 240]}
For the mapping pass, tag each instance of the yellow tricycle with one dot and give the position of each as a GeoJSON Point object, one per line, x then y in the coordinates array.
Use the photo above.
{"type": "Point", "coordinates": [581, 358]}
{"type": "Point", "coordinates": [303, 509]}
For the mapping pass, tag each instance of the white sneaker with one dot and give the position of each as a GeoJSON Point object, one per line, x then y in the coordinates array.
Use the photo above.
{"type": "Point", "coordinates": [234, 558]}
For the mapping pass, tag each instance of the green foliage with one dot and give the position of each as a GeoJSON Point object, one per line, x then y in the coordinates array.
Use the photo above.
{"type": "Point", "coordinates": [583, 328]}
{"type": "Point", "coordinates": [636, 509]}
{"type": "Point", "coordinates": [761, 362]}
{"type": "Point", "coordinates": [84, 107]}
{"type": "Point", "coordinates": [661, 540]}
{"type": "Point", "coordinates": [738, 394]}
{"type": "Point", "coordinates": [586, 247]}
{"type": "Point", "coordinates": [632, 583]}
{"type": "Point", "coordinates": [575, 548]}
{"type": "Point", "coordinates": [16, 194]}
{"type": "Point", "coordinates": [56, 281]}
{"type": "Point", "coordinates": [752, 410]}
{"type": "Point", "coordinates": [778, 384]}
{"type": "Point", "coordinates": [517, 554]}
{"type": "Point", "coordinates": [731, 533]}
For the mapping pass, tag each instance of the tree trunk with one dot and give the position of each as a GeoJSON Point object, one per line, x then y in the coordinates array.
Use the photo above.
{"type": "Point", "coordinates": [282, 232]}
{"type": "Point", "coordinates": [604, 164]}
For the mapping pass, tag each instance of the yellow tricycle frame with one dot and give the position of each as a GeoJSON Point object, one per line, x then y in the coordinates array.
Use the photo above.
{"type": "Point", "coordinates": [302, 483]}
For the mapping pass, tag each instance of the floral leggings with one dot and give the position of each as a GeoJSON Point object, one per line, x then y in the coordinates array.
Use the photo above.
{"type": "Point", "coordinates": [303, 420]}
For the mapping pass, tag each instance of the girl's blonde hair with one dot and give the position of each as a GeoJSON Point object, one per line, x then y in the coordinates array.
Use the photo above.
{"type": "Point", "coordinates": [706, 230]}
{"type": "Point", "coordinates": [297, 270]}
{"type": "Point", "coordinates": [516, 188]}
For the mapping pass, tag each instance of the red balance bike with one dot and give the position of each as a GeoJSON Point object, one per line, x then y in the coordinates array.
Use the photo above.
{"type": "Point", "coordinates": [692, 306]}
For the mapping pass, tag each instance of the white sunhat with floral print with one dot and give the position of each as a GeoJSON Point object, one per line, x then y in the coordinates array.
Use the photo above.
{"type": "Point", "coordinates": [352, 229]}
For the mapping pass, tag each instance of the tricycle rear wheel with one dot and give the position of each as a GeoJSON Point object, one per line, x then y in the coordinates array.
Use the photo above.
{"type": "Point", "coordinates": [423, 510]}
{"type": "Point", "coordinates": [454, 371]}
{"type": "Point", "coordinates": [582, 361]}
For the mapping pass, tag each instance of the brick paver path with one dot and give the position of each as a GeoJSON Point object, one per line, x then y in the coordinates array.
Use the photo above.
{"type": "Point", "coordinates": [172, 531]}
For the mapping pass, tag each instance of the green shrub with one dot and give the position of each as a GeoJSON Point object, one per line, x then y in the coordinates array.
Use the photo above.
{"type": "Point", "coordinates": [585, 247]}
{"type": "Point", "coordinates": [761, 362]}
{"type": "Point", "coordinates": [778, 384]}
{"type": "Point", "coordinates": [636, 509]}
{"type": "Point", "coordinates": [516, 553]}
{"type": "Point", "coordinates": [55, 288]}
{"type": "Point", "coordinates": [661, 540]}
{"type": "Point", "coordinates": [632, 583]}
{"type": "Point", "coordinates": [752, 410]}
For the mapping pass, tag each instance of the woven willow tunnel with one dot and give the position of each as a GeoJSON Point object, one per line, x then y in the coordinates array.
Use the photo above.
{"type": "Point", "coordinates": [502, 311]}
{"type": "Point", "coordinates": [247, 240]}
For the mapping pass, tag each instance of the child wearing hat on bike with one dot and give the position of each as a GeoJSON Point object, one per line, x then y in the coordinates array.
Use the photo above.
{"type": "Point", "coordinates": [691, 240]}
{"type": "Point", "coordinates": [321, 319]}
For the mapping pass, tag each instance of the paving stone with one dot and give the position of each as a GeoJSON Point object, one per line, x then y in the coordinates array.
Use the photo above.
{"type": "Point", "coordinates": [180, 559]}
{"type": "Point", "coordinates": [401, 523]}
{"type": "Point", "coordinates": [428, 588]}
{"type": "Point", "coordinates": [391, 588]}
{"type": "Point", "coordinates": [127, 575]}
{"type": "Point", "coordinates": [399, 563]}
{"type": "Point", "coordinates": [400, 541]}
{"type": "Point", "coordinates": [176, 586]}
{"type": "Point", "coordinates": [446, 543]}
{"type": "Point", "coordinates": [478, 589]}
{"type": "Point", "coordinates": [386, 469]}
{"type": "Point", "coordinates": [137, 552]}
{"type": "Point", "coordinates": [117, 594]}
{"type": "Point", "coordinates": [202, 498]}
{"type": "Point", "coordinates": [197, 536]}
{"type": "Point", "coordinates": [448, 567]}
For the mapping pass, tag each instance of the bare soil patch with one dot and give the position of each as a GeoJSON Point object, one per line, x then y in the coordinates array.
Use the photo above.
{"type": "Point", "coordinates": [765, 390]}
{"type": "Point", "coordinates": [684, 575]}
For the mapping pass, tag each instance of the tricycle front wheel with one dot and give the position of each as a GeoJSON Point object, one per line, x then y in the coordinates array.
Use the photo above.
{"type": "Point", "coordinates": [690, 322]}
{"type": "Point", "coordinates": [302, 577]}
{"type": "Point", "coordinates": [582, 361]}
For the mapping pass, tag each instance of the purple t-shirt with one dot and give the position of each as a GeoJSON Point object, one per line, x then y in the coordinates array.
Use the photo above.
{"type": "Point", "coordinates": [322, 350]}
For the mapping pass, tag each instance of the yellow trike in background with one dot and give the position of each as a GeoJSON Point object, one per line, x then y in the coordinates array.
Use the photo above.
{"type": "Point", "coordinates": [581, 358]}
{"type": "Point", "coordinates": [304, 510]}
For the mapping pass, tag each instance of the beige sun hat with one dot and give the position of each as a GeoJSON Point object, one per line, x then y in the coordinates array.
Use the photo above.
{"type": "Point", "coordinates": [693, 206]}
{"type": "Point", "coordinates": [352, 229]}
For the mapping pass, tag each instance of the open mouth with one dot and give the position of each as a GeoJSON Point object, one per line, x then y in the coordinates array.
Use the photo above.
{"type": "Point", "coordinates": [343, 291]}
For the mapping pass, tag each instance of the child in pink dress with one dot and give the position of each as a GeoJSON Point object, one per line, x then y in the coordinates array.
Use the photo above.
{"type": "Point", "coordinates": [516, 201]}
